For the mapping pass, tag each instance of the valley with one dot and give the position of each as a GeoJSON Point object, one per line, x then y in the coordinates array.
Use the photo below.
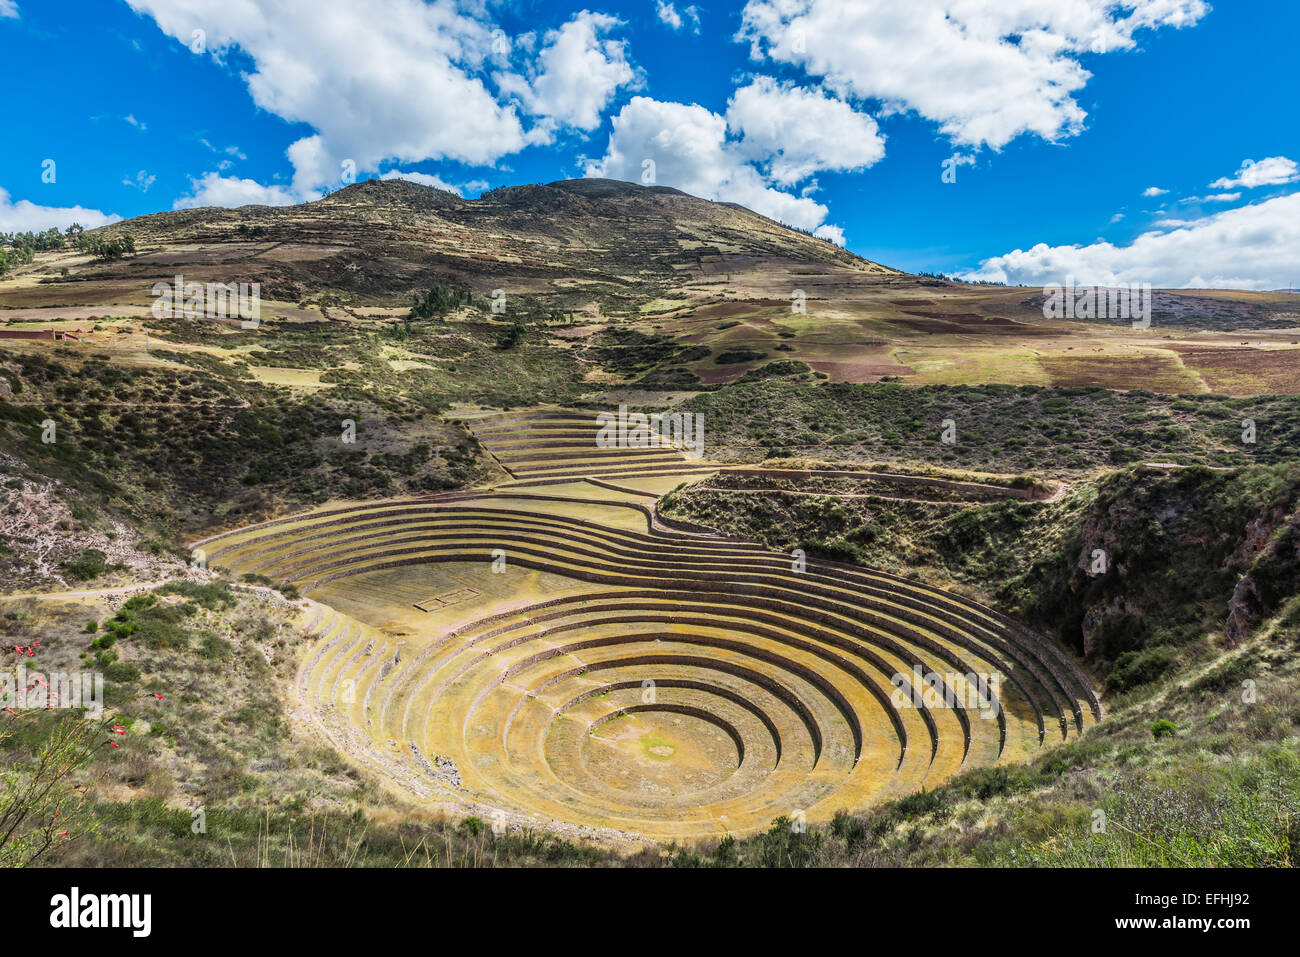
{"type": "Point", "coordinates": [377, 549]}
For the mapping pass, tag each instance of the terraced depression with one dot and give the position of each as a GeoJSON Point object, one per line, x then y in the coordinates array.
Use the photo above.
{"type": "Point", "coordinates": [551, 652]}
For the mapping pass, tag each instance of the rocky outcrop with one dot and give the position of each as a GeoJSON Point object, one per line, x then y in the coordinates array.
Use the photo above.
{"type": "Point", "coordinates": [1273, 546]}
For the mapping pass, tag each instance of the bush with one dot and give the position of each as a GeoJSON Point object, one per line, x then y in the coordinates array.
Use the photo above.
{"type": "Point", "coordinates": [784, 846]}
{"type": "Point", "coordinates": [1228, 674]}
{"type": "Point", "coordinates": [733, 356]}
{"type": "Point", "coordinates": [918, 804]}
{"type": "Point", "coordinates": [512, 336]}
{"type": "Point", "coordinates": [1163, 728]}
{"type": "Point", "coordinates": [87, 564]}
{"type": "Point", "coordinates": [1136, 668]}
{"type": "Point", "coordinates": [214, 647]}
{"type": "Point", "coordinates": [122, 672]}
{"type": "Point", "coordinates": [210, 595]}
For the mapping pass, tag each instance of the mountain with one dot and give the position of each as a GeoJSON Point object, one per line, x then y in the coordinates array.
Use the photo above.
{"type": "Point", "coordinates": [589, 244]}
{"type": "Point", "coordinates": [729, 287]}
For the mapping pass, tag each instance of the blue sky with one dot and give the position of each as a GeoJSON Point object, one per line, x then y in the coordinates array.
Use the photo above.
{"type": "Point", "coordinates": [832, 115]}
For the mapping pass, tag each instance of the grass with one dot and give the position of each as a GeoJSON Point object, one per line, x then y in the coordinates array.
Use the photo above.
{"type": "Point", "coordinates": [997, 428]}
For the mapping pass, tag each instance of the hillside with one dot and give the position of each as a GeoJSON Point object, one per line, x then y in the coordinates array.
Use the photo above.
{"type": "Point", "coordinates": [729, 287]}
{"type": "Point", "coordinates": [592, 246]}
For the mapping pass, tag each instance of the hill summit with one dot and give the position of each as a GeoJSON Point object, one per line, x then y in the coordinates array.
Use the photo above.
{"type": "Point", "coordinates": [584, 243]}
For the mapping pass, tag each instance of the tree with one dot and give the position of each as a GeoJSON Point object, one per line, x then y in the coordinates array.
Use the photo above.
{"type": "Point", "coordinates": [106, 249]}
{"type": "Point", "coordinates": [438, 301]}
{"type": "Point", "coordinates": [512, 336]}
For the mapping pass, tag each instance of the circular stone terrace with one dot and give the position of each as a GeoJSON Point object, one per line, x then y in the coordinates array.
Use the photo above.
{"type": "Point", "coordinates": [552, 651]}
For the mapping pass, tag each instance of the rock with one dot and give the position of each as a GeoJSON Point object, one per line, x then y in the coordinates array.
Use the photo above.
{"type": "Point", "coordinates": [1244, 612]}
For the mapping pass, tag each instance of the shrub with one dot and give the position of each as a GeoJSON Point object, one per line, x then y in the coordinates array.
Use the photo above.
{"type": "Point", "coordinates": [1135, 668]}
{"type": "Point", "coordinates": [512, 336]}
{"type": "Point", "coordinates": [87, 564]}
{"type": "Point", "coordinates": [1227, 674]}
{"type": "Point", "coordinates": [121, 672]}
{"type": "Point", "coordinates": [1163, 728]}
{"type": "Point", "coordinates": [733, 356]}
{"type": "Point", "coordinates": [214, 647]}
{"type": "Point", "coordinates": [210, 595]}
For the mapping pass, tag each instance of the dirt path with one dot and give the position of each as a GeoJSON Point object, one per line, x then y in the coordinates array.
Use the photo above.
{"type": "Point", "coordinates": [92, 592]}
{"type": "Point", "coordinates": [261, 590]}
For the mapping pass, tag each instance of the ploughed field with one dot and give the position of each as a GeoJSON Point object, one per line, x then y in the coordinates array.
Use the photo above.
{"type": "Point", "coordinates": [550, 653]}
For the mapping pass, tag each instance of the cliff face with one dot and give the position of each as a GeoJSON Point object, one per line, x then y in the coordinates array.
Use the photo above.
{"type": "Point", "coordinates": [1159, 559]}
{"type": "Point", "coordinates": [1273, 576]}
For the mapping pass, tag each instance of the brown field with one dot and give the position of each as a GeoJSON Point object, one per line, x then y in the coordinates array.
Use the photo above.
{"type": "Point", "coordinates": [1245, 371]}
{"type": "Point", "coordinates": [1157, 372]}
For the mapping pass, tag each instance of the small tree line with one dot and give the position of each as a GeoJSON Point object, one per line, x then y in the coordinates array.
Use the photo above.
{"type": "Point", "coordinates": [438, 300]}
{"type": "Point", "coordinates": [19, 248]}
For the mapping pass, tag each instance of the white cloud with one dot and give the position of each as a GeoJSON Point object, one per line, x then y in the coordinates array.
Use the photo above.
{"type": "Point", "coordinates": [1213, 198]}
{"type": "Point", "coordinates": [690, 150]}
{"type": "Point", "coordinates": [142, 181]}
{"type": "Point", "coordinates": [797, 132]}
{"type": "Point", "coordinates": [394, 83]}
{"type": "Point", "coordinates": [834, 233]}
{"type": "Point", "coordinates": [576, 74]}
{"type": "Point", "coordinates": [25, 216]}
{"type": "Point", "coordinates": [1252, 247]}
{"type": "Point", "coordinates": [1274, 171]}
{"type": "Point", "coordinates": [212, 189]}
{"type": "Point", "coordinates": [8, 8]}
{"type": "Point", "coordinates": [234, 151]}
{"type": "Point", "coordinates": [405, 80]}
{"type": "Point", "coordinates": [424, 179]}
{"type": "Point", "coordinates": [985, 72]}
{"type": "Point", "coordinates": [1154, 191]}
{"type": "Point", "coordinates": [668, 14]}
{"type": "Point", "coordinates": [134, 122]}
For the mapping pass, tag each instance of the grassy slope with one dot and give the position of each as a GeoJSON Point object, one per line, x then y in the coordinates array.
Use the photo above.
{"type": "Point", "coordinates": [197, 442]}
{"type": "Point", "coordinates": [997, 428]}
